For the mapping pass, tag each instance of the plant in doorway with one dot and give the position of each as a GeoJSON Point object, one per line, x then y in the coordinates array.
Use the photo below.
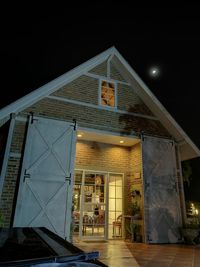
{"type": "Point", "coordinates": [135, 210]}
{"type": "Point", "coordinates": [191, 233]}
{"type": "Point", "coordinates": [134, 231]}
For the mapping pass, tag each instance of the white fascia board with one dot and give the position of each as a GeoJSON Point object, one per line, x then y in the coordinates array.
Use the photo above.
{"type": "Point", "coordinates": [54, 85]}
{"type": "Point", "coordinates": [164, 115]}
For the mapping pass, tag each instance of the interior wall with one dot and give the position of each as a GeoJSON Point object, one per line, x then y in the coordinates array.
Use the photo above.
{"type": "Point", "coordinates": [102, 157]}
{"type": "Point", "coordinates": [112, 158]}
{"type": "Point", "coordinates": [134, 175]}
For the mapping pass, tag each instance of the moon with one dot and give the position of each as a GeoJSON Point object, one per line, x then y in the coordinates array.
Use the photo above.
{"type": "Point", "coordinates": [154, 72]}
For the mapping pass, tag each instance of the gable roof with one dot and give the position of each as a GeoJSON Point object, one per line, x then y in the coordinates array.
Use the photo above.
{"type": "Point", "coordinates": [188, 149]}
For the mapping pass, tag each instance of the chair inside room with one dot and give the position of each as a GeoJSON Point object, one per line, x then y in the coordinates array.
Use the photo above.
{"type": "Point", "coordinates": [117, 227]}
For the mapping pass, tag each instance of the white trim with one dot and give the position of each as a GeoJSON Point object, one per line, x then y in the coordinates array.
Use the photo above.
{"type": "Point", "coordinates": [96, 76]}
{"type": "Point", "coordinates": [21, 118]}
{"type": "Point", "coordinates": [106, 225]}
{"type": "Point", "coordinates": [76, 102]}
{"type": "Point", "coordinates": [93, 130]}
{"type": "Point", "coordinates": [54, 85]}
{"type": "Point", "coordinates": [6, 155]}
{"type": "Point", "coordinates": [108, 65]}
{"type": "Point", "coordinates": [182, 193]}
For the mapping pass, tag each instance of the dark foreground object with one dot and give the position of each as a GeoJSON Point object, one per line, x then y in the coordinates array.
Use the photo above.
{"type": "Point", "coordinates": [40, 247]}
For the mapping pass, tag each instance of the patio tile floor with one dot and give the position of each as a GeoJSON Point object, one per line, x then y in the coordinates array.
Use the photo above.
{"type": "Point", "coordinates": [116, 253]}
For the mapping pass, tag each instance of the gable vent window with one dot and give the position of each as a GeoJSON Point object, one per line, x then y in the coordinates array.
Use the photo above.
{"type": "Point", "coordinates": [108, 94]}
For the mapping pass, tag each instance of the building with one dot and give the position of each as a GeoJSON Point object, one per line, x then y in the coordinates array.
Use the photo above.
{"type": "Point", "coordinates": [98, 142]}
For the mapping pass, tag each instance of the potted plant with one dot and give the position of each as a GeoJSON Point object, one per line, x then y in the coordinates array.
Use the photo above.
{"type": "Point", "coordinates": [134, 231]}
{"type": "Point", "coordinates": [135, 210]}
{"type": "Point", "coordinates": [191, 233]}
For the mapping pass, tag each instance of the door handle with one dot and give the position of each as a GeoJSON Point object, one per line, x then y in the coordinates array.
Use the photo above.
{"type": "Point", "coordinates": [26, 175]}
{"type": "Point", "coordinates": [68, 178]}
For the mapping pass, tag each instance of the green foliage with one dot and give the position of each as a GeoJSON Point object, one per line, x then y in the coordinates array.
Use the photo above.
{"type": "Point", "coordinates": [133, 228]}
{"type": "Point", "coordinates": [134, 208]}
{"type": "Point", "coordinates": [192, 225]}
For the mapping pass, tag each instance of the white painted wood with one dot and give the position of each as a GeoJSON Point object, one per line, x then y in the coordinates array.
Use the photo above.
{"type": "Point", "coordinates": [97, 76]}
{"type": "Point", "coordinates": [45, 191]}
{"type": "Point", "coordinates": [161, 196]}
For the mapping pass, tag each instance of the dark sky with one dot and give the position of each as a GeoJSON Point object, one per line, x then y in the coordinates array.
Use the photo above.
{"type": "Point", "coordinates": [39, 44]}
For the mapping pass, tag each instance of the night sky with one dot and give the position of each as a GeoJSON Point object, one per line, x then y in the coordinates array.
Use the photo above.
{"type": "Point", "coordinates": [39, 44]}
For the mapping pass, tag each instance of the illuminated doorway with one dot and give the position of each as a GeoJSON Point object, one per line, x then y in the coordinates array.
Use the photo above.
{"type": "Point", "coordinates": [97, 205]}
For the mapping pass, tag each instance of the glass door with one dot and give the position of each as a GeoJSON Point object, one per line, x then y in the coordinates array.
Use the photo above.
{"type": "Point", "coordinates": [115, 193]}
{"type": "Point", "coordinates": [97, 205]}
{"type": "Point", "coordinates": [94, 206]}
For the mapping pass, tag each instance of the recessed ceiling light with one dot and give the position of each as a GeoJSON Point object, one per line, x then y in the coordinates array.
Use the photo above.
{"type": "Point", "coordinates": [79, 135]}
{"type": "Point", "coordinates": [121, 141]}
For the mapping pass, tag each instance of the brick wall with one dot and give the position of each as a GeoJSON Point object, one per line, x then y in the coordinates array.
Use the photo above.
{"type": "Point", "coordinates": [109, 158]}
{"type": "Point", "coordinates": [13, 172]}
{"type": "Point", "coordinates": [96, 118]}
{"type": "Point", "coordinates": [101, 69]}
{"type": "Point", "coordinates": [129, 101]}
{"type": "Point", "coordinates": [18, 137]}
{"type": "Point", "coordinates": [8, 193]}
{"type": "Point", "coordinates": [102, 157]}
{"type": "Point", "coordinates": [84, 89]}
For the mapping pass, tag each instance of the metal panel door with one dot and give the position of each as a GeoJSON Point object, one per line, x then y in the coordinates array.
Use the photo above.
{"type": "Point", "coordinates": [45, 190]}
{"type": "Point", "coordinates": [161, 197]}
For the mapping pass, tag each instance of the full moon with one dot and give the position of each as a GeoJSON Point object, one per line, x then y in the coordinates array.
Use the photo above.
{"type": "Point", "coordinates": [154, 72]}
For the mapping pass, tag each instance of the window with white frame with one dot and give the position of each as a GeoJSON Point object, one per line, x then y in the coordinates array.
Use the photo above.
{"type": "Point", "coordinates": [108, 94]}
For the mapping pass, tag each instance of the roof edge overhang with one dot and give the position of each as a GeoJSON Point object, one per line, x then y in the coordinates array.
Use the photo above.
{"type": "Point", "coordinates": [53, 85]}
{"type": "Point", "coordinates": [188, 149]}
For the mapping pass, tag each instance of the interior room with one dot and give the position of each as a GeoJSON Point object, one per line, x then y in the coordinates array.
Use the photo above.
{"type": "Point", "coordinates": [107, 187]}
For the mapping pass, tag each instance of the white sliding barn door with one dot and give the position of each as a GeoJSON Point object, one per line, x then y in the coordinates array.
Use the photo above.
{"type": "Point", "coordinates": [161, 197]}
{"type": "Point", "coordinates": [45, 189]}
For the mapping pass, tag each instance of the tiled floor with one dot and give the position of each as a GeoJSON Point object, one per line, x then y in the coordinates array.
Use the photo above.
{"type": "Point", "coordinates": [112, 253]}
{"type": "Point", "coordinates": [127, 254]}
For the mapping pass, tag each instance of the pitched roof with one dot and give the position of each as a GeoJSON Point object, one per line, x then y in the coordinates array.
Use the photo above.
{"type": "Point", "coordinates": [188, 149]}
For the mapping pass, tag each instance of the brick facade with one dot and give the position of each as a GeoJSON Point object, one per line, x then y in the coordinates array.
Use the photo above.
{"type": "Point", "coordinates": [110, 158]}
{"type": "Point", "coordinates": [95, 118]}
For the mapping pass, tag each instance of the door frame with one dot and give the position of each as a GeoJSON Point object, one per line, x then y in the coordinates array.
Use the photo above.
{"type": "Point", "coordinates": [106, 205]}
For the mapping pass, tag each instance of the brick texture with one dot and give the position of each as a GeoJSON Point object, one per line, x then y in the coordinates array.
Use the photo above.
{"type": "Point", "coordinates": [110, 158]}
{"type": "Point", "coordinates": [84, 89]}
{"type": "Point", "coordinates": [8, 193]}
{"type": "Point", "coordinates": [101, 69]}
{"type": "Point", "coordinates": [102, 156]}
{"type": "Point", "coordinates": [18, 137]}
{"type": "Point", "coordinates": [95, 118]}
{"type": "Point", "coordinates": [129, 101]}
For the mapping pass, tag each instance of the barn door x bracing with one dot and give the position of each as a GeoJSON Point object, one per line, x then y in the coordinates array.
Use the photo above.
{"type": "Point", "coordinates": [161, 197]}
{"type": "Point", "coordinates": [45, 190]}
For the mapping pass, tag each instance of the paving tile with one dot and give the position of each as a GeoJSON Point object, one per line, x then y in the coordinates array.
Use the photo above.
{"type": "Point", "coordinates": [127, 254]}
